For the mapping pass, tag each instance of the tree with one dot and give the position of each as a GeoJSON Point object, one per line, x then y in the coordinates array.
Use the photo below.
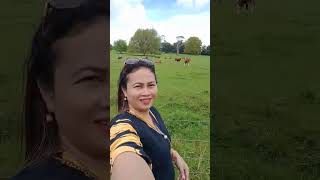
{"type": "Point", "coordinates": [181, 47]}
{"type": "Point", "coordinates": [167, 47]}
{"type": "Point", "coordinates": [205, 50]}
{"type": "Point", "coordinates": [209, 50]}
{"type": "Point", "coordinates": [178, 43]}
{"type": "Point", "coordinates": [120, 46]}
{"type": "Point", "coordinates": [193, 46]}
{"type": "Point", "coordinates": [145, 41]}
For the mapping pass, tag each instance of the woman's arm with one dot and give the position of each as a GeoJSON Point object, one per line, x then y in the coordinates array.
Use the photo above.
{"type": "Point", "coordinates": [181, 165]}
{"type": "Point", "coordinates": [129, 165]}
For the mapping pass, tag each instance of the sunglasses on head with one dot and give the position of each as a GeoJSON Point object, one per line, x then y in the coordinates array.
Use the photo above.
{"type": "Point", "coordinates": [65, 4]}
{"type": "Point", "coordinates": [135, 61]}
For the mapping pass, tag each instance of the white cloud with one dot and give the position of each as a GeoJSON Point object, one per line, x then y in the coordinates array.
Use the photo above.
{"type": "Point", "coordinates": [187, 26]}
{"type": "Point", "coordinates": [201, 3]}
{"type": "Point", "coordinates": [185, 3]}
{"type": "Point", "coordinates": [129, 15]}
{"type": "Point", "coordinates": [126, 17]}
{"type": "Point", "coordinates": [191, 4]}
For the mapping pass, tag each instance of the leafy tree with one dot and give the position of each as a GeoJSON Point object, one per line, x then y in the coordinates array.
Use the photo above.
{"type": "Point", "coordinates": [120, 46]}
{"type": "Point", "coordinates": [167, 47]}
{"type": "Point", "coordinates": [181, 47]}
{"type": "Point", "coordinates": [145, 41]}
{"type": "Point", "coordinates": [209, 50]}
{"type": "Point", "coordinates": [205, 50]}
{"type": "Point", "coordinates": [193, 46]}
{"type": "Point", "coordinates": [179, 43]}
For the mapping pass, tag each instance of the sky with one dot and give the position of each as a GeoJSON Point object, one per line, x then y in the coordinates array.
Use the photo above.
{"type": "Point", "coordinates": [170, 18]}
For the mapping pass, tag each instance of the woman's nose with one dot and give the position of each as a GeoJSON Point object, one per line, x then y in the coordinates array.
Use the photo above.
{"type": "Point", "coordinates": [145, 91]}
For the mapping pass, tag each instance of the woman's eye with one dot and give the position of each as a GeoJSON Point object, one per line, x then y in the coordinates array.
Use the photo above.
{"type": "Point", "coordinates": [89, 79]}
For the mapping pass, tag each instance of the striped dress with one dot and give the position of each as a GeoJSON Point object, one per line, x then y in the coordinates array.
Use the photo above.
{"type": "Point", "coordinates": [129, 133]}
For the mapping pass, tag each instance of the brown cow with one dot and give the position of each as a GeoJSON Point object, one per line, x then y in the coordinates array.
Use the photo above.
{"type": "Point", "coordinates": [248, 5]}
{"type": "Point", "coordinates": [187, 61]}
{"type": "Point", "coordinates": [177, 59]}
{"type": "Point", "coordinates": [158, 61]}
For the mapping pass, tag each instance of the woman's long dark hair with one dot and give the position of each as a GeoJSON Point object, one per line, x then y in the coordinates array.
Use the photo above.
{"type": "Point", "coordinates": [123, 80]}
{"type": "Point", "coordinates": [41, 139]}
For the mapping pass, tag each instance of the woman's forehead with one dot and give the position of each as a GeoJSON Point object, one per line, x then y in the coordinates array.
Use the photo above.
{"type": "Point", "coordinates": [142, 75]}
{"type": "Point", "coordinates": [88, 48]}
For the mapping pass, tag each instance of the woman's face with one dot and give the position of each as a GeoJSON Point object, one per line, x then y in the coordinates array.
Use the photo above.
{"type": "Point", "coordinates": [79, 100]}
{"type": "Point", "coordinates": [141, 89]}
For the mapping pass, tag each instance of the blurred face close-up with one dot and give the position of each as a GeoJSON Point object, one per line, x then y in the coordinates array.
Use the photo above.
{"type": "Point", "coordinates": [141, 89]}
{"type": "Point", "coordinates": [80, 97]}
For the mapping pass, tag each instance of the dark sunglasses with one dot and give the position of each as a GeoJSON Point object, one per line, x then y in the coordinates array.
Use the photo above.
{"type": "Point", "coordinates": [134, 61]}
{"type": "Point", "coordinates": [65, 4]}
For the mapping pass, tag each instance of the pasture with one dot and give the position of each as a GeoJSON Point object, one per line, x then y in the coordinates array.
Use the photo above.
{"type": "Point", "coordinates": [17, 23]}
{"type": "Point", "coordinates": [183, 93]}
{"type": "Point", "coordinates": [267, 91]}
{"type": "Point", "coordinates": [184, 103]}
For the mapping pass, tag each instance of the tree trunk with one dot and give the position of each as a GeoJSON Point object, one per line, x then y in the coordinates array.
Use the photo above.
{"type": "Point", "coordinates": [177, 49]}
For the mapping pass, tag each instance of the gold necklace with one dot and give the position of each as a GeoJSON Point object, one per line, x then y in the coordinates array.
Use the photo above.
{"type": "Point", "coordinates": [68, 160]}
{"type": "Point", "coordinates": [151, 125]}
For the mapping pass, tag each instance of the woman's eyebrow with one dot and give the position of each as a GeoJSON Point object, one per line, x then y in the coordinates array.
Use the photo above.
{"type": "Point", "coordinates": [139, 83]}
{"type": "Point", "coordinates": [90, 68]}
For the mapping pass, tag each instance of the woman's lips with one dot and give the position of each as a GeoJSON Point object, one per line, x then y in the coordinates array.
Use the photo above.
{"type": "Point", "coordinates": [146, 101]}
{"type": "Point", "coordinates": [103, 122]}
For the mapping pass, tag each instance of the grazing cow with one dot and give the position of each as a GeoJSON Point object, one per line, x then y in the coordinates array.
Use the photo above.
{"type": "Point", "coordinates": [187, 61]}
{"type": "Point", "coordinates": [245, 4]}
{"type": "Point", "coordinates": [177, 59]}
{"type": "Point", "coordinates": [158, 61]}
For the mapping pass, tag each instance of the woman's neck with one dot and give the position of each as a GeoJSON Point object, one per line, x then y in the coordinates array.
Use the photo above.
{"type": "Point", "coordinates": [143, 114]}
{"type": "Point", "coordinates": [98, 166]}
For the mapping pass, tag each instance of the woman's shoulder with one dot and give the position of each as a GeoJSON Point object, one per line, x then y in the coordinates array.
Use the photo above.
{"type": "Point", "coordinates": [155, 112]}
{"type": "Point", "coordinates": [120, 117]}
{"type": "Point", "coordinates": [50, 169]}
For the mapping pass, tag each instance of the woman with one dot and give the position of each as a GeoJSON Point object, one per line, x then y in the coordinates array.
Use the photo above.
{"type": "Point", "coordinates": [140, 143]}
{"type": "Point", "coordinates": [66, 94]}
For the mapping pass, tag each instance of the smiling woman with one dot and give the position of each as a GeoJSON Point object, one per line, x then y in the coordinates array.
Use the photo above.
{"type": "Point", "coordinates": [66, 94]}
{"type": "Point", "coordinates": [140, 143]}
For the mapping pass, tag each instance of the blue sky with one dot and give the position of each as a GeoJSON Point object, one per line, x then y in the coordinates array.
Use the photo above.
{"type": "Point", "coordinates": [163, 9]}
{"type": "Point", "coordinates": [170, 18]}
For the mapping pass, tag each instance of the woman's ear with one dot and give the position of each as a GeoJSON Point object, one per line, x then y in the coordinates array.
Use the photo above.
{"type": "Point", "coordinates": [47, 96]}
{"type": "Point", "coordinates": [124, 92]}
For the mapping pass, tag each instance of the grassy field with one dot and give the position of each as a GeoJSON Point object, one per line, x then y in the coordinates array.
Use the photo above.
{"type": "Point", "coordinates": [183, 92]}
{"type": "Point", "coordinates": [183, 95]}
{"type": "Point", "coordinates": [17, 23]}
{"type": "Point", "coordinates": [267, 91]}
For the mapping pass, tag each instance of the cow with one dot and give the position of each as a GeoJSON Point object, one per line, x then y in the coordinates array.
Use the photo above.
{"type": "Point", "coordinates": [187, 61]}
{"type": "Point", "coordinates": [245, 4]}
{"type": "Point", "coordinates": [177, 59]}
{"type": "Point", "coordinates": [158, 61]}
{"type": "Point", "coordinates": [119, 57]}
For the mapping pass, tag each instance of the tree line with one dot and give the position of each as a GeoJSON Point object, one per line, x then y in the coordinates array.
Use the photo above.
{"type": "Point", "coordinates": [147, 41]}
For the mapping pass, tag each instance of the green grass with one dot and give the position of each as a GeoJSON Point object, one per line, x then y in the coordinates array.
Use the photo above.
{"type": "Point", "coordinates": [183, 94]}
{"type": "Point", "coordinates": [266, 68]}
{"type": "Point", "coordinates": [17, 23]}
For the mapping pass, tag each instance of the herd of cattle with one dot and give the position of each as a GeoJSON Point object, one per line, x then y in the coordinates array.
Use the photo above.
{"type": "Point", "coordinates": [185, 60]}
{"type": "Point", "coordinates": [247, 5]}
